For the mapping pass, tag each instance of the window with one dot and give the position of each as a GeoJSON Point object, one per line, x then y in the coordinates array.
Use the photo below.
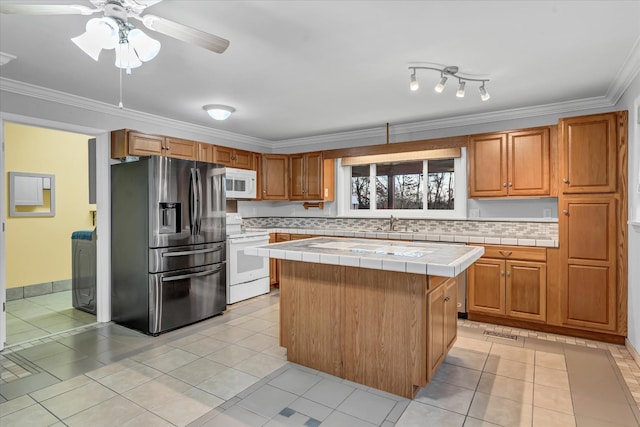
{"type": "Point", "coordinates": [391, 188]}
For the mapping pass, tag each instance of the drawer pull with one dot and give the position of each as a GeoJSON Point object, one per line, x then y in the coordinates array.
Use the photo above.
{"type": "Point", "coordinates": [505, 253]}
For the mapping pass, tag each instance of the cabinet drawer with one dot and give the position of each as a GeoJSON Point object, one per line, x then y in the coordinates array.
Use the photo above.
{"type": "Point", "coordinates": [515, 252]}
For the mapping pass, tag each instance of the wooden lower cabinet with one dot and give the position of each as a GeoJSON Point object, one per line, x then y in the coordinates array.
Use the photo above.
{"type": "Point", "coordinates": [588, 262]}
{"type": "Point", "coordinates": [508, 287]}
{"type": "Point", "coordinates": [442, 323]}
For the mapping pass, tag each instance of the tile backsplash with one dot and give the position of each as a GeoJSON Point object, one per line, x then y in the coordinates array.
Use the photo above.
{"type": "Point", "coordinates": [533, 230]}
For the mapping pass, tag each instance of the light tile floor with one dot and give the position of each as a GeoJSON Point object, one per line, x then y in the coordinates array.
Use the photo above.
{"type": "Point", "coordinates": [230, 371]}
{"type": "Point", "coordinates": [37, 317]}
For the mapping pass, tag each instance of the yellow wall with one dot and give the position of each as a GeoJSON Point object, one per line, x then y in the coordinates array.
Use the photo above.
{"type": "Point", "coordinates": [39, 248]}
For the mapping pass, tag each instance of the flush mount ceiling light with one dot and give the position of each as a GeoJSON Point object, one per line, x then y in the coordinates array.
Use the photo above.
{"type": "Point", "coordinates": [445, 73]}
{"type": "Point", "coordinates": [218, 111]}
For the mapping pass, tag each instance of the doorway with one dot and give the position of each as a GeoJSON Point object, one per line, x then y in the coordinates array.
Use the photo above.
{"type": "Point", "coordinates": [59, 300]}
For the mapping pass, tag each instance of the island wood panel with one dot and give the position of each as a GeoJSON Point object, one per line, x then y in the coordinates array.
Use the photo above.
{"type": "Point", "coordinates": [311, 297]}
{"type": "Point", "coordinates": [367, 326]}
{"type": "Point", "coordinates": [384, 327]}
{"type": "Point", "coordinates": [436, 334]}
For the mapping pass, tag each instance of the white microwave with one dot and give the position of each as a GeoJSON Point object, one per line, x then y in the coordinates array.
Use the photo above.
{"type": "Point", "coordinates": [240, 183]}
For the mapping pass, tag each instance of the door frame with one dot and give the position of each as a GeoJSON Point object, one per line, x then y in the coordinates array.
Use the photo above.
{"type": "Point", "coordinates": [103, 203]}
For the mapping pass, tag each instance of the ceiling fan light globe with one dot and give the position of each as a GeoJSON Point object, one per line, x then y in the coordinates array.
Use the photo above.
{"type": "Point", "coordinates": [89, 44]}
{"type": "Point", "coordinates": [146, 48]}
{"type": "Point", "coordinates": [126, 57]}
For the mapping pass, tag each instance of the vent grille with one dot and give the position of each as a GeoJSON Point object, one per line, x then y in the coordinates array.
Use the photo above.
{"type": "Point", "coordinates": [501, 335]}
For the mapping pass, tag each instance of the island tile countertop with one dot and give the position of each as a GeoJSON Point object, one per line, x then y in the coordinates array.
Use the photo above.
{"type": "Point", "coordinates": [435, 259]}
{"type": "Point", "coordinates": [419, 236]}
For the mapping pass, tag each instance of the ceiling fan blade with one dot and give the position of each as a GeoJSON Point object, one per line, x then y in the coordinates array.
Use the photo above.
{"type": "Point", "coordinates": [45, 9]}
{"type": "Point", "coordinates": [184, 33]}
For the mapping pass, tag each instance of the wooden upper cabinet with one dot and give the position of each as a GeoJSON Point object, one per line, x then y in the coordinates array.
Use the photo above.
{"type": "Point", "coordinates": [510, 163]}
{"type": "Point", "coordinates": [131, 143]}
{"type": "Point", "coordinates": [233, 158]}
{"type": "Point", "coordinates": [311, 177]}
{"type": "Point", "coordinates": [275, 177]}
{"type": "Point", "coordinates": [205, 152]}
{"type": "Point", "coordinates": [181, 148]}
{"type": "Point", "coordinates": [588, 148]}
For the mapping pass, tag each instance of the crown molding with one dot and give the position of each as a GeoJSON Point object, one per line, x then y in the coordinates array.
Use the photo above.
{"type": "Point", "coordinates": [39, 92]}
{"type": "Point", "coordinates": [450, 122]}
{"type": "Point", "coordinates": [626, 74]}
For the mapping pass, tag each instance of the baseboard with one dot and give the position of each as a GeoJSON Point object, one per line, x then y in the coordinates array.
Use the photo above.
{"type": "Point", "coordinates": [631, 349]}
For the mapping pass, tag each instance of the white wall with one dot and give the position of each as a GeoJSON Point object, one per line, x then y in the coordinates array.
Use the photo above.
{"type": "Point", "coordinates": [631, 101]}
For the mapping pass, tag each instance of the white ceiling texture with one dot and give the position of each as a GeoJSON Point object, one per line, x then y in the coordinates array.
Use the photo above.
{"type": "Point", "coordinates": [297, 69]}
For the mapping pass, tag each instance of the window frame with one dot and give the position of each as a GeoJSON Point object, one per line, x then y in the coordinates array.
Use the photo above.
{"type": "Point", "coordinates": [343, 196]}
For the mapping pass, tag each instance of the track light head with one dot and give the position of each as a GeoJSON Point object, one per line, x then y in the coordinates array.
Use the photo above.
{"type": "Point", "coordinates": [413, 84]}
{"type": "Point", "coordinates": [460, 92]}
{"type": "Point", "coordinates": [440, 86]}
{"type": "Point", "coordinates": [484, 95]}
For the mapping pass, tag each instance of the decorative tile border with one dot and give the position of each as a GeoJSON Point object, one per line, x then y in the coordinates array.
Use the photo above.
{"type": "Point", "coordinates": [496, 229]}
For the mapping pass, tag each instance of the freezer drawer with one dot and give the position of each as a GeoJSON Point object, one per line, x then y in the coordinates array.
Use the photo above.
{"type": "Point", "coordinates": [181, 297]}
{"type": "Point", "coordinates": [181, 257]}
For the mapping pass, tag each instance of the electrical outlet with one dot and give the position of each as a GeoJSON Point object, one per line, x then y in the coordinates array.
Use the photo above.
{"type": "Point", "coordinates": [474, 213]}
{"type": "Point", "coordinates": [546, 213]}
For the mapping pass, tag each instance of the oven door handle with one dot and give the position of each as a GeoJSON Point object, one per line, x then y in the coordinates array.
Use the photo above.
{"type": "Point", "coordinates": [191, 275]}
{"type": "Point", "coordinates": [193, 252]}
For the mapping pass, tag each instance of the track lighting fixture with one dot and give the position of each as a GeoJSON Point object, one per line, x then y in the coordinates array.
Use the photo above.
{"type": "Point", "coordinates": [451, 71]}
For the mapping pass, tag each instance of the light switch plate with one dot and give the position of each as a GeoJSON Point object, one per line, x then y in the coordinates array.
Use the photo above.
{"type": "Point", "coordinates": [474, 213]}
{"type": "Point", "coordinates": [546, 213]}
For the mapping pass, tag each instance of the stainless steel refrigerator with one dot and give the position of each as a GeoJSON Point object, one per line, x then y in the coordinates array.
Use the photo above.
{"type": "Point", "coordinates": [168, 231]}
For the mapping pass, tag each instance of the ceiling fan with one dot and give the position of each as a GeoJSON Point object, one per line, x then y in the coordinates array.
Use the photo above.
{"type": "Point", "coordinates": [114, 30]}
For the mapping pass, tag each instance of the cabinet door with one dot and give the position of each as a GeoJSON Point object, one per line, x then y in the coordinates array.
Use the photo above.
{"type": "Point", "coordinates": [146, 145]}
{"type": "Point", "coordinates": [485, 282]}
{"type": "Point", "coordinates": [223, 155]}
{"type": "Point", "coordinates": [274, 177]}
{"type": "Point", "coordinates": [296, 177]}
{"type": "Point", "coordinates": [314, 184]}
{"type": "Point", "coordinates": [273, 265]}
{"type": "Point", "coordinates": [242, 159]}
{"type": "Point", "coordinates": [488, 165]}
{"type": "Point", "coordinates": [526, 290]}
{"type": "Point", "coordinates": [451, 311]}
{"type": "Point", "coordinates": [436, 341]}
{"type": "Point", "coordinates": [205, 152]}
{"type": "Point", "coordinates": [588, 262]}
{"type": "Point", "coordinates": [181, 148]}
{"type": "Point", "coordinates": [528, 164]}
{"type": "Point", "coordinates": [588, 154]}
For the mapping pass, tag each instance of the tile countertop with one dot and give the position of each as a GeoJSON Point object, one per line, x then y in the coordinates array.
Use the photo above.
{"type": "Point", "coordinates": [421, 236]}
{"type": "Point", "coordinates": [436, 259]}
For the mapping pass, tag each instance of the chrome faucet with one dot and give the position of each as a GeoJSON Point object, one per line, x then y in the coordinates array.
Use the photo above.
{"type": "Point", "coordinates": [392, 223]}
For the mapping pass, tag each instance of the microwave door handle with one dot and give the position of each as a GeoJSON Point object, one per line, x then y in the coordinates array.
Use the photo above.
{"type": "Point", "coordinates": [191, 275]}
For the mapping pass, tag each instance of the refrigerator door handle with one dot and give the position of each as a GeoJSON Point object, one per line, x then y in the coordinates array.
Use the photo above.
{"type": "Point", "coordinates": [199, 187]}
{"type": "Point", "coordinates": [192, 203]}
{"type": "Point", "coordinates": [193, 252]}
{"type": "Point", "coordinates": [191, 275]}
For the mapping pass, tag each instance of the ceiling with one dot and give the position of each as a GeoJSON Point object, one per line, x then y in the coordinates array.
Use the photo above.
{"type": "Point", "coordinates": [297, 69]}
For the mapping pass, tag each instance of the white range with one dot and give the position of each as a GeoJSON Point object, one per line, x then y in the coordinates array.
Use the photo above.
{"type": "Point", "coordinates": [247, 275]}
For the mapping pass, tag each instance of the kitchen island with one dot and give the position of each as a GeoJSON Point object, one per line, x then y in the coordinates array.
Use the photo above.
{"type": "Point", "coordinates": [377, 312]}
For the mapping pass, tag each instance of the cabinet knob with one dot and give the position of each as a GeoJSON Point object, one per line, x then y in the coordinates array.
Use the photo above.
{"type": "Point", "coordinates": [565, 180]}
{"type": "Point", "coordinates": [502, 273]}
{"type": "Point", "coordinates": [565, 211]}
{"type": "Point", "coordinates": [510, 185]}
{"type": "Point", "coordinates": [446, 299]}
{"type": "Point", "coordinates": [504, 184]}
{"type": "Point", "coordinates": [508, 274]}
